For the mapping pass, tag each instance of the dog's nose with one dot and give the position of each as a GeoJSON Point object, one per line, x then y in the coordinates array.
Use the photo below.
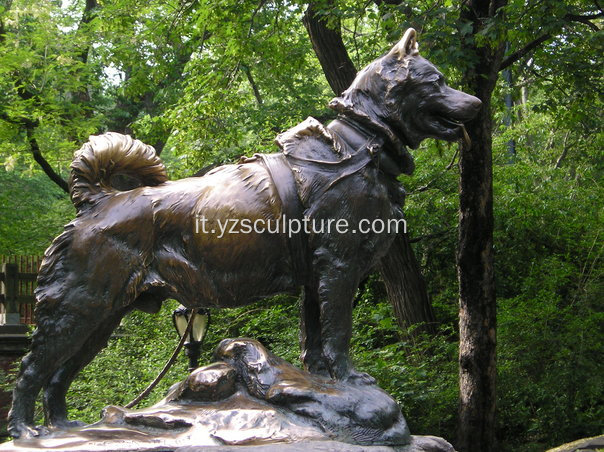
{"type": "Point", "coordinates": [475, 103]}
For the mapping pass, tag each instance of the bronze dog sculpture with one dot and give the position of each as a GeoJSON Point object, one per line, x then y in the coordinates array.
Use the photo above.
{"type": "Point", "coordinates": [133, 248]}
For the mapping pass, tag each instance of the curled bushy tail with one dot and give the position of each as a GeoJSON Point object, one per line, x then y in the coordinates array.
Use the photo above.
{"type": "Point", "coordinates": [106, 156]}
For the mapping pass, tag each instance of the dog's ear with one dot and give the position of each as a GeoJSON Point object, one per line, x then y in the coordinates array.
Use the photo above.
{"type": "Point", "coordinates": [406, 46]}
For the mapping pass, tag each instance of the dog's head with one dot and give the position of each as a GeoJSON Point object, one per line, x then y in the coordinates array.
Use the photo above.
{"type": "Point", "coordinates": [406, 98]}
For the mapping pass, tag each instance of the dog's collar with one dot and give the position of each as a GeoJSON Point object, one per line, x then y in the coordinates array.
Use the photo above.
{"type": "Point", "coordinates": [353, 133]}
{"type": "Point", "coordinates": [356, 136]}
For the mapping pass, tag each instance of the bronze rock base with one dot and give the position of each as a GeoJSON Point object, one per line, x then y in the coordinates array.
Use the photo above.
{"type": "Point", "coordinates": [252, 400]}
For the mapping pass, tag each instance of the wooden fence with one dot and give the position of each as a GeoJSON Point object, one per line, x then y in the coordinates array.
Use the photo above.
{"type": "Point", "coordinates": [17, 283]}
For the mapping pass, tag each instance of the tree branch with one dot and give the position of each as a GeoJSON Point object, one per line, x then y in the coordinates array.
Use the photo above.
{"type": "Point", "coordinates": [256, 10]}
{"type": "Point", "coordinates": [30, 125]}
{"type": "Point", "coordinates": [388, 2]}
{"type": "Point", "coordinates": [511, 59]}
{"type": "Point", "coordinates": [429, 185]}
{"type": "Point", "coordinates": [252, 82]}
{"type": "Point", "coordinates": [87, 16]}
{"type": "Point", "coordinates": [452, 162]}
{"type": "Point", "coordinates": [82, 94]}
{"type": "Point", "coordinates": [585, 19]}
{"type": "Point", "coordinates": [39, 158]}
{"type": "Point", "coordinates": [6, 118]}
{"type": "Point", "coordinates": [564, 151]}
{"type": "Point", "coordinates": [431, 236]}
{"type": "Point", "coordinates": [424, 188]}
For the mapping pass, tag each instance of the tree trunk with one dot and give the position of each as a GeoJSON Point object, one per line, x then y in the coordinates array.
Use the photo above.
{"type": "Point", "coordinates": [82, 95]}
{"type": "Point", "coordinates": [477, 304]}
{"type": "Point", "coordinates": [399, 268]}
{"type": "Point", "coordinates": [330, 50]}
{"type": "Point", "coordinates": [406, 287]}
{"type": "Point", "coordinates": [477, 338]}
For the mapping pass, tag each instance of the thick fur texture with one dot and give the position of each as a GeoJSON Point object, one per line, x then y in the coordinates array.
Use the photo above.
{"type": "Point", "coordinates": [136, 239]}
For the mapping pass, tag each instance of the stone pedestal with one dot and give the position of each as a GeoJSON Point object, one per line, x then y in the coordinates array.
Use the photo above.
{"type": "Point", "coordinates": [250, 400]}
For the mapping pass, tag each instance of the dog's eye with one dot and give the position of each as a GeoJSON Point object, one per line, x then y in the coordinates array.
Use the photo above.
{"type": "Point", "coordinates": [436, 79]}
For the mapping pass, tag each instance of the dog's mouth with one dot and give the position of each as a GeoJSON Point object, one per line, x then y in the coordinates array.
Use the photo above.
{"type": "Point", "coordinates": [450, 128]}
{"type": "Point", "coordinates": [449, 123]}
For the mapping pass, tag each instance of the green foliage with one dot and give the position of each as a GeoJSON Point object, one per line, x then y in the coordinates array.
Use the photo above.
{"type": "Point", "coordinates": [33, 211]}
{"type": "Point", "coordinates": [134, 356]}
{"type": "Point", "coordinates": [143, 344]}
{"type": "Point", "coordinates": [549, 367]}
{"type": "Point", "coordinates": [229, 105]}
{"type": "Point", "coordinates": [44, 80]}
{"type": "Point", "coordinates": [421, 374]}
{"type": "Point", "coordinates": [274, 322]}
{"type": "Point", "coordinates": [550, 308]}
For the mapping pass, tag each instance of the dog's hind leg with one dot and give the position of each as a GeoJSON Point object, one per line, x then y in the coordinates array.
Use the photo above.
{"type": "Point", "coordinates": [57, 339]}
{"type": "Point", "coordinates": [310, 333]}
{"type": "Point", "coordinates": [55, 408]}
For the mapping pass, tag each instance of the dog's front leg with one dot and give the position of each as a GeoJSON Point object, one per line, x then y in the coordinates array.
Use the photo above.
{"type": "Point", "coordinates": [337, 283]}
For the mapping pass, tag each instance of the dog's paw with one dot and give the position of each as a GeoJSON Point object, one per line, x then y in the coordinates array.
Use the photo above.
{"type": "Point", "coordinates": [24, 431]}
{"type": "Point", "coordinates": [360, 378]}
{"type": "Point", "coordinates": [66, 424]}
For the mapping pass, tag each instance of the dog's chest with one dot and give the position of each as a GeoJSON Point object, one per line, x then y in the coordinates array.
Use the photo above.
{"type": "Point", "coordinates": [330, 174]}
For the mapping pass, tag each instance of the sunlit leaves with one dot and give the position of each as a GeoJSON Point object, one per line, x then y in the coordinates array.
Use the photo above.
{"type": "Point", "coordinates": [254, 77]}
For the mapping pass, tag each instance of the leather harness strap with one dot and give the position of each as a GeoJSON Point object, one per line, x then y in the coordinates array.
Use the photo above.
{"type": "Point", "coordinates": [354, 134]}
{"type": "Point", "coordinates": [284, 181]}
{"type": "Point", "coordinates": [362, 145]}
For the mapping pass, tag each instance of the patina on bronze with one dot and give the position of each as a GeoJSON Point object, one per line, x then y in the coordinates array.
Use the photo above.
{"type": "Point", "coordinates": [133, 248]}
{"type": "Point", "coordinates": [249, 397]}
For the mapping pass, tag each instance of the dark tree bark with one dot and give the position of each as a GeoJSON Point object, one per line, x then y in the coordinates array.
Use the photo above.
{"type": "Point", "coordinates": [477, 302]}
{"type": "Point", "coordinates": [477, 305]}
{"type": "Point", "coordinates": [330, 50]}
{"type": "Point", "coordinates": [477, 322]}
{"type": "Point", "coordinates": [399, 269]}
{"type": "Point", "coordinates": [406, 287]}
